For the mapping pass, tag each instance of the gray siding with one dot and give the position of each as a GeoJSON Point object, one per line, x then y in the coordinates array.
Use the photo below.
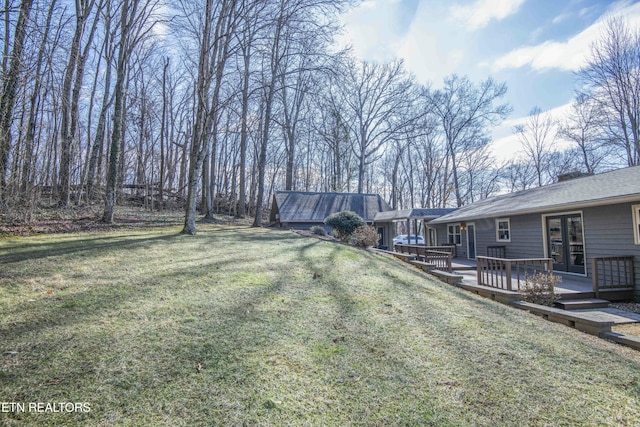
{"type": "Point", "coordinates": [461, 250]}
{"type": "Point", "coordinates": [526, 237]}
{"type": "Point", "coordinates": [609, 232]}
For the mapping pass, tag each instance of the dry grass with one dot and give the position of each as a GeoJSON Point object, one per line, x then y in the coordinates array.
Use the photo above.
{"type": "Point", "coordinates": [629, 329]}
{"type": "Point", "coordinates": [238, 326]}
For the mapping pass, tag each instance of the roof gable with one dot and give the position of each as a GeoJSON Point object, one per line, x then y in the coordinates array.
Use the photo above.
{"type": "Point", "coordinates": [607, 188]}
{"type": "Point", "coordinates": [296, 206]}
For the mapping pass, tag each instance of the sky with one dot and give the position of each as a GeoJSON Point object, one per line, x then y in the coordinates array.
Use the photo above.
{"type": "Point", "coordinates": [534, 46]}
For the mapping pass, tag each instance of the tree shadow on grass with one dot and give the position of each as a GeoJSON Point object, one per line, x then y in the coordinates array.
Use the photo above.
{"type": "Point", "coordinates": [246, 337]}
{"type": "Point", "coordinates": [32, 250]}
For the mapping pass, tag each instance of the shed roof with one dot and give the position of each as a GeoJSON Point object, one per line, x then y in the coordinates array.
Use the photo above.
{"type": "Point", "coordinates": [619, 186]}
{"type": "Point", "coordinates": [297, 206]}
{"type": "Point", "coordinates": [403, 214]}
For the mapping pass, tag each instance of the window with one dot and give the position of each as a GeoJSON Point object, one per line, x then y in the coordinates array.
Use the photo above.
{"type": "Point", "coordinates": [636, 223]}
{"type": "Point", "coordinates": [453, 234]}
{"type": "Point", "coordinates": [503, 230]}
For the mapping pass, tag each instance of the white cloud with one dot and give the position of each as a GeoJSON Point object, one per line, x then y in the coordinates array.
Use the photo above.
{"type": "Point", "coordinates": [371, 30]}
{"type": "Point", "coordinates": [425, 49]}
{"type": "Point", "coordinates": [560, 18]}
{"type": "Point", "coordinates": [568, 55]}
{"type": "Point", "coordinates": [478, 14]}
{"type": "Point", "coordinates": [428, 58]}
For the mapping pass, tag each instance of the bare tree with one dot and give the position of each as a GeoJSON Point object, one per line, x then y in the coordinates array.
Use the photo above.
{"type": "Point", "coordinates": [465, 112]}
{"type": "Point", "coordinates": [584, 128]}
{"type": "Point", "coordinates": [34, 101]}
{"type": "Point", "coordinates": [293, 22]}
{"type": "Point", "coordinates": [537, 137]}
{"type": "Point", "coordinates": [380, 100]}
{"type": "Point", "coordinates": [137, 20]}
{"type": "Point", "coordinates": [9, 88]}
{"type": "Point", "coordinates": [330, 124]}
{"type": "Point", "coordinates": [107, 53]}
{"type": "Point", "coordinates": [71, 86]}
{"type": "Point", "coordinates": [612, 78]}
{"type": "Point", "coordinates": [218, 22]}
{"type": "Point", "coordinates": [517, 175]}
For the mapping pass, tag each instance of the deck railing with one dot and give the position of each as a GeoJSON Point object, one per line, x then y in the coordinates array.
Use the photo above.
{"type": "Point", "coordinates": [507, 274]}
{"type": "Point", "coordinates": [413, 249]}
{"type": "Point", "coordinates": [497, 251]}
{"type": "Point", "coordinates": [613, 273]}
{"type": "Point", "coordinates": [443, 260]}
{"type": "Point", "coordinates": [441, 256]}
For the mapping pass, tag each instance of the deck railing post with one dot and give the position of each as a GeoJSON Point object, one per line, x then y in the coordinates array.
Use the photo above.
{"type": "Point", "coordinates": [508, 274]}
{"type": "Point", "coordinates": [596, 275]}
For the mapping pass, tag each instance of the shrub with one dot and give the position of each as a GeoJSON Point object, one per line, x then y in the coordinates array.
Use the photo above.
{"type": "Point", "coordinates": [539, 288]}
{"type": "Point", "coordinates": [317, 230]}
{"type": "Point", "coordinates": [365, 236]}
{"type": "Point", "coordinates": [344, 224]}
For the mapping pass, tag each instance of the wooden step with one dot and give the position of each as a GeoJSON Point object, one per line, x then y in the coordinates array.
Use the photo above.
{"type": "Point", "coordinates": [582, 304]}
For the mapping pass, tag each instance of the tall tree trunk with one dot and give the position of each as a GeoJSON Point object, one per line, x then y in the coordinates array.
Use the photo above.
{"type": "Point", "coordinates": [97, 148]}
{"type": "Point", "coordinates": [262, 159]}
{"type": "Point", "coordinates": [72, 83]}
{"type": "Point", "coordinates": [34, 107]}
{"type": "Point", "coordinates": [211, 64]}
{"type": "Point", "coordinates": [8, 96]}
{"type": "Point", "coordinates": [273, 79]}
{"type": "Point", "coordinates": [118, 118]}
{"type": "Point", "coordinates": [198, 138]}
{"type": "Point", "coordinates": [242, 186]}
{"type": "Point", "coordinates": [163, 126]}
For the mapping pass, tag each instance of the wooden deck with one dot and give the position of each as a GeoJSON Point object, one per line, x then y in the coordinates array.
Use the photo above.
{"type": "Point", "coordinates": [572, 286]}
{"type": "Point", "coordinates": [506, 274]}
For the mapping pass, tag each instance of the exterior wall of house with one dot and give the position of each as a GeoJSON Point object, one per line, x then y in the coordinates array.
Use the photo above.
{"type": "Point", "coordinates": [526, 236]}
{"type": "Point", "coordinates": [443, 239]}
{"type": "Point", "coordinates": [608, 231]}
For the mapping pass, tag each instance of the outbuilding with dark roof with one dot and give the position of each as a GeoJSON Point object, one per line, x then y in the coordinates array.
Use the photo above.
{"type": "Point", "coordinates": [300, 210]}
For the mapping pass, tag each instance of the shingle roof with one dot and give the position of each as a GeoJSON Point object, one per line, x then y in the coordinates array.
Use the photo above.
{"type": "Point", "coordinates": [412, 214]}
{"type": "Point", "coordinates": [296, 206]}
{"type": "Point", "coordinates": [617, 186]}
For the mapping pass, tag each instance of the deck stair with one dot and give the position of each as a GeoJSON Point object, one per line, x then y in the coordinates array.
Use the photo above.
{"type": "Point", "coordinates": [582, 304]}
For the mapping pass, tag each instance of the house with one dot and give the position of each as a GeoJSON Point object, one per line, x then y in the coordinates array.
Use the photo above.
{"type": "Point", "coordinates": [573, 222]}
{"type": "Point", "coordinates": [416, 221]}
{"type": "Point", "coordinates": [302, 210]}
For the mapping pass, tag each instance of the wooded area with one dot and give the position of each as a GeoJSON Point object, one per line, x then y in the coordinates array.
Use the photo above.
{"type": "Point", "coordinates": [217, 103]}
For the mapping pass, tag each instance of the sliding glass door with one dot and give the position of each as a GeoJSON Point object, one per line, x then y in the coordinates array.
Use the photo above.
{"type": "Point", "coordinates": [565, 239]}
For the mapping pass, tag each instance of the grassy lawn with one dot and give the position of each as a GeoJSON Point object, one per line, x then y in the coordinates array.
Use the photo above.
{"type": "Point", "coordinates": [238, 326]}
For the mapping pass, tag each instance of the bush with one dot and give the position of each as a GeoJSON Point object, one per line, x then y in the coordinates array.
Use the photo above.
{"type": "Point", "coordinates": [317, 230]}
{"type": "Point", "coordinates": [344, 224]}
{"type": "Point", "coordinates": [365, 236]}
{"type": "Point", "coordinates": [539, 288]}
